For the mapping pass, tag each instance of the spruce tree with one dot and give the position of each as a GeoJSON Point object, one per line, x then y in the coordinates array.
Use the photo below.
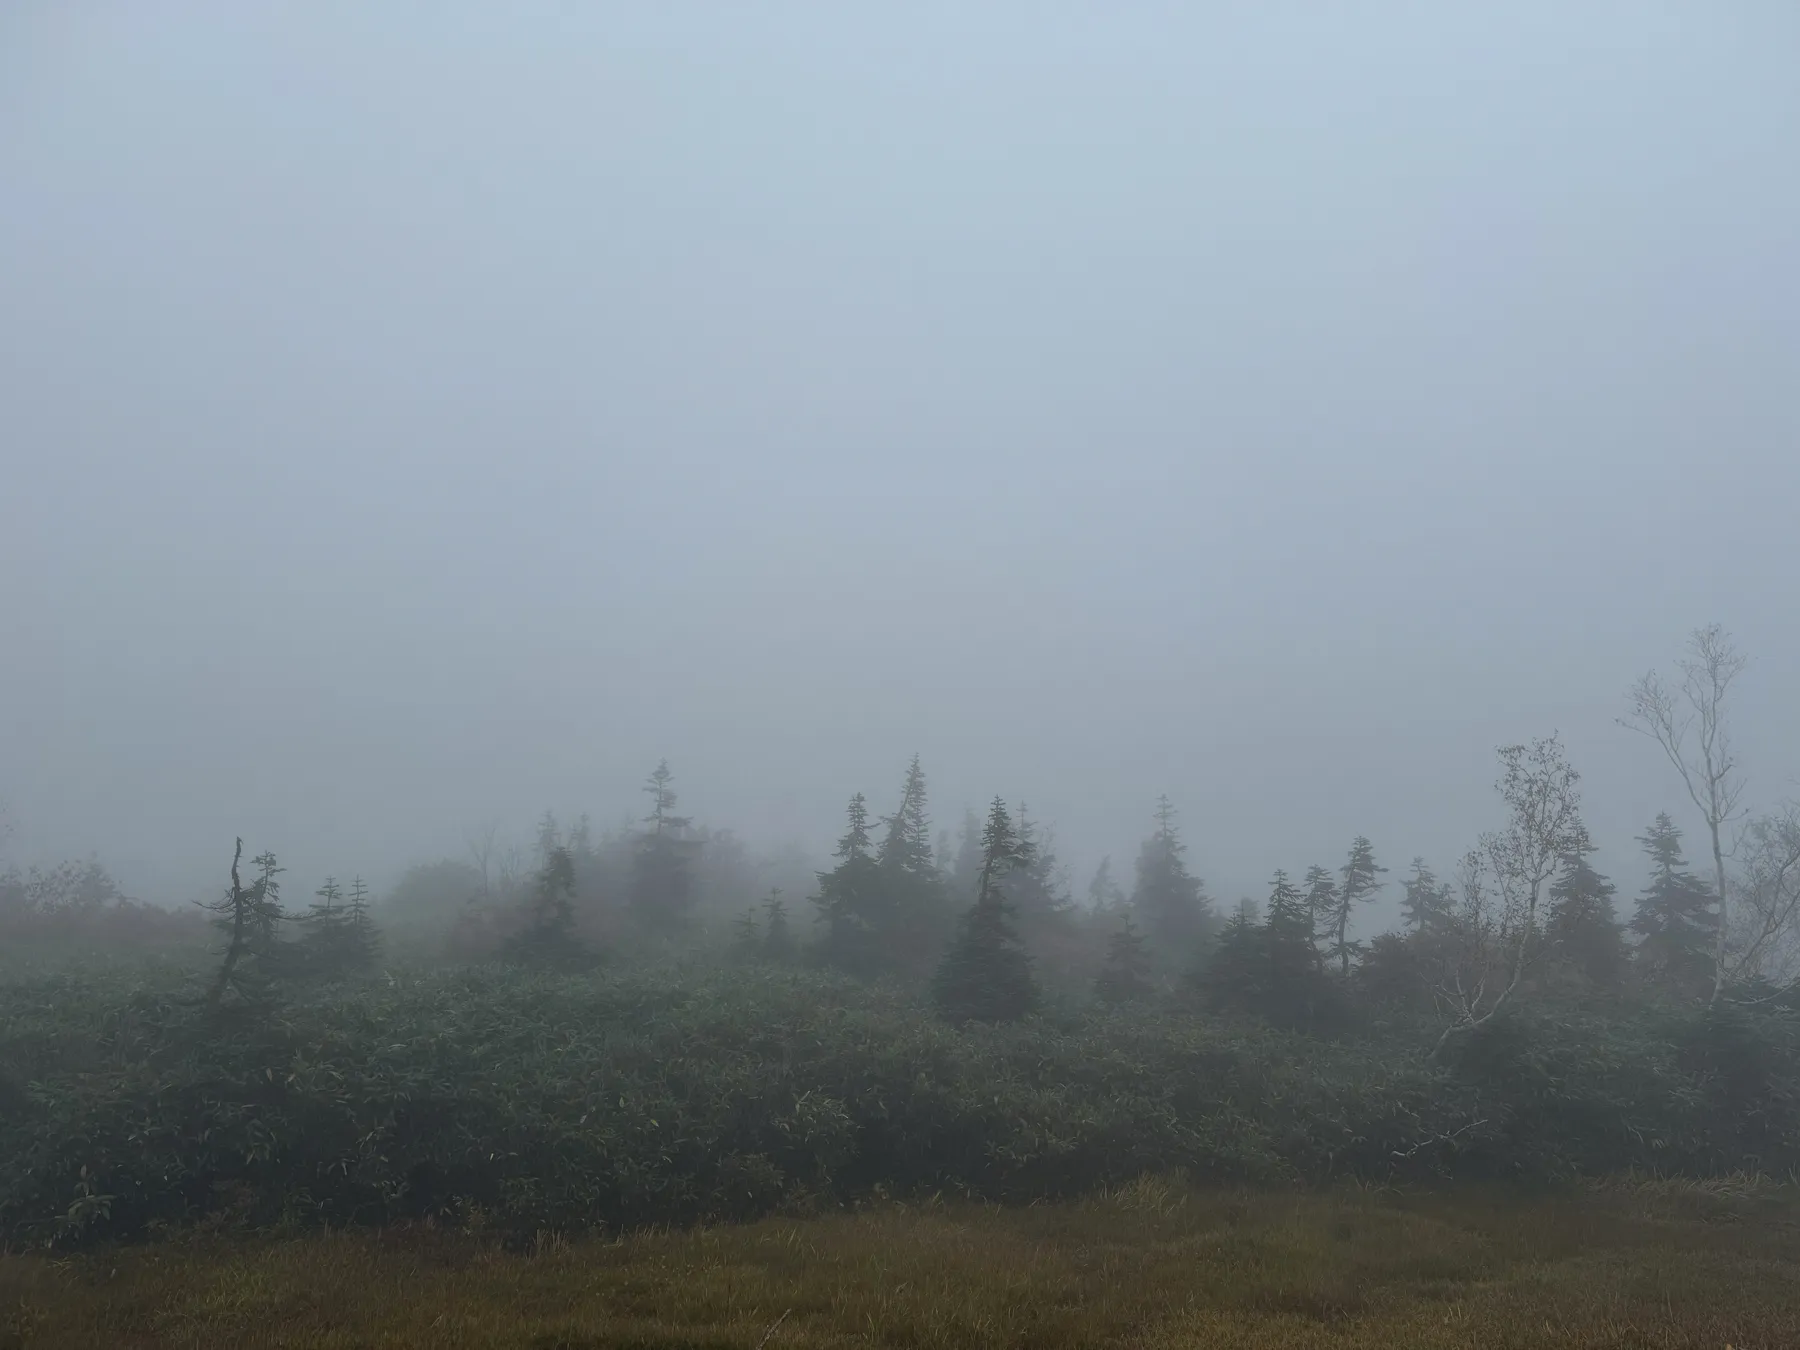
{"type": "Point", "coordinates": [1425, 907]}
{"type": "Point", "coordinates": [778, 942]}
{"type": "Point", "coordinates": [1125, 978]}
{"type": "Point", "coordinates": [1323, 901]}
{"type": "Point", "coordinates": [1170, 902]}
{"type": "Point", "coordinates": [848, 901]}
{"type": "Point", "coordinates": [250, 918]}
{"type": "Point", "coordinates": [1676, 917]}
{"type": "Point", "coordinates": [548, 939]}
{"type": "Point", "coordinates": [1359, 879]}
{"type": "Point", "coordinates": [1295, 982]}
{"type": "Point", "coordinates": [1035, 889]}
{"type": "Point", "coordinates": [911, 915]}
{"type": "Point", "coordinates": [1582, 925]}
{"type": "Point", "coordinates": [986, 976]}
{"type": "Point", "coordinates": [1235, 975]}
{"type": "Point", "coordinates": [747, 939]}
{"type": "Point", "coordinates": [661, 896]}
{"type": "Point", "coordinates": [339, 936]}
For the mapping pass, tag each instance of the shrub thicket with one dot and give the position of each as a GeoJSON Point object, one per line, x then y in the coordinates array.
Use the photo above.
{"type": "Point", "coordinates": [615, 1101]}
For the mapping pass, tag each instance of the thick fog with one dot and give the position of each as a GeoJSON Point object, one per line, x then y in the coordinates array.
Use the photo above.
{"type": "Point", "coordinates": [419, 416]}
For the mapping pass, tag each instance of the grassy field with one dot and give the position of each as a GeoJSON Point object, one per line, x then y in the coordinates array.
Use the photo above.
{"type": "Point", "coordinates": [1152, 1265]}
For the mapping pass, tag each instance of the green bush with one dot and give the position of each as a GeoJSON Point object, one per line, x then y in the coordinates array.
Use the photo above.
{"type": "Point", "coordinates": [616, 1101]}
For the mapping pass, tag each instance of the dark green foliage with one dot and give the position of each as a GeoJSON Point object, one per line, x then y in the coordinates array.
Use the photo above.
{"type": "Point", "coordinates": [1272, 970]}
{"type": "Point", "coordinates": [568, 1102]}
{"type": "Point", "coordinates": [662, 880]}
{"type": "Point", "coordinates": [1168, 900]}
{"type": "Point", "coordinates": [1426, 905]}
{"type": "Point", "coordinates": [746, 939]}
{"type": "Point", "coordinates": [986, 975]}
{"type": "Point", "coordinates": [1393, 980]}
{"type": "Point", "coordinates": [1358, 881]}
{"type": "Point", "coordinates": [338, 939]}
{"type": "Point", "coordinates": [778, 944]}
{"type": "Point", "coordinates": [1125, 978]}
{"type": "Point", "coordinates": [249, 918]}
{"type": "Point", "coordinates": [547, 939]}
{"type": "Point", "coordinates": [1676, 917]}
{"type": "Point", "coordinates": [885, 910]}
{"type": "Point", "coordinates": [849, 902]}
{"type": "Point", "coordinates": [1234, 975]}
{"type": "Point", "coordinates": [1582, 927]}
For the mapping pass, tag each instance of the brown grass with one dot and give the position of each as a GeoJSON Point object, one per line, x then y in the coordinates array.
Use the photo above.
{"type": "Point", "coordinates": [1153, 1265]}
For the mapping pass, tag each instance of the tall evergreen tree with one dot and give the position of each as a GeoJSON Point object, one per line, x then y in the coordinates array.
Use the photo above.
{"type": "Point", "coordinates": [1676, 918]}
{"type": "Point", "coordinates": [778, 940]}
{"type": "Point", "coordinates": [906, 847]}
{"type": "Point", "coordinates": [1358, 880]}
{"type": "Point", "coordinates": [1234, 976]}
{"type": "Point", "coordinates": [1125, 978]}
{"type": "Point", "coordinates": [340, 937]}
{"type": "Point", "coordinates": [1320, 887]}
{"type": "Point", "coordinates": [747, 939]}
{"type": "Point", "coordinates": [1170, 902]}
{"type": "Point", "coordinates": [250, 919]}
{"type": "Point", "coordinates": [1295, 982]}
{"type": "Point", "coordinates": [1035, 888]}
{"type": "Point", "coordinates": [912, 915]}
{"type": "Point", "coordinates": [662, 878]}
{"type": "Point", "coordinates": [848, 902]}
{"type": "Point", "coordinates": [1426, 905]}
{"type": "Point", "coordinates": [985, 976]}
{"type": "Point", "coordinates": [547, 938]}
{"type": "Point", "coordinates": [1582, 925]}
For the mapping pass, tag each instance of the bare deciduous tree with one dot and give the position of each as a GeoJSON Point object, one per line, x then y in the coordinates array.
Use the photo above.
{"type": "Point", "coordinates": [1689, 723]}
{"type": "Point", "coordinates": [1502, 882]}
{"type": "Point", "coordinates": [1765, 946]}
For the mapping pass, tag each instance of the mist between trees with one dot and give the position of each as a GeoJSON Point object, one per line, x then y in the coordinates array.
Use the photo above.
{"type": "Point", "coordinates": [645, 1024]}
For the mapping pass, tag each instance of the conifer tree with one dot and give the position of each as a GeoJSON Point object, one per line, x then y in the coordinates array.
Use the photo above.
{"type": "Point", "coordinates": [1235, 975]}
{"type": "Point", "coordinates": [1323, 901]}
{"type": "Point", "coordinates": [1582, 925]}
{"type": "Point", "coordinates": [1676, 917]}
{"type": "Point", "coordinates": [1171, 903]}
{"type": "Point", "coordinates": [747, 940]}
{"type": "Point", "coordinates": [250, 918]}
{"type": "Point", "coordinates": [778, 942]}
{"type": "Point", "coordinates": [1294, 977]}
{"type": "Point", "coordinates": [662, 882]}
{"type": "Point", "coordinates": [986, 976]}
{"type": "Point", "coordinates": [1359, 879]}
{"type": "Point", "coordinates": [911, 915]}
{"type": "Point", "coordinates": [1426, 907]}
{"type": "Point", "coordinates": [548, 938]}
{"type": "Point", "coordinates": [1125, 978]}
{"type": "Point", "coordinates": [849, 900]}
{"type": "Point", "coordinates": [1035, 888]}
{"type": "Point", "coordinates": [906, 847]}
{"type": "Point", "coordinates": [340, 937]}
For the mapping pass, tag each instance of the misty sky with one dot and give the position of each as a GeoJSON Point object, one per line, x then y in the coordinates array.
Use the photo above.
{"type": "Point", "coordinates": [419, 415]}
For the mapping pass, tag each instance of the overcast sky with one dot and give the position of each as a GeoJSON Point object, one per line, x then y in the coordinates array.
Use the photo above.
{"type": "Point", "coordinates": [423, 414]}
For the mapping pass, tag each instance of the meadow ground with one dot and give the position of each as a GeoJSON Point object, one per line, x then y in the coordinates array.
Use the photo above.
{"type": "Point", "coordinates": [1155, 1264]}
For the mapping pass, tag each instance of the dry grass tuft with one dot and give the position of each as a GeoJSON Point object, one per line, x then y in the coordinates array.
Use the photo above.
{"type": "Point", "coordinates": [1154, 1264]}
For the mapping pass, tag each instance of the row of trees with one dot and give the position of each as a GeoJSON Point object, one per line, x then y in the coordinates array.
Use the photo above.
{"type": "Point", "coordinates": [984, 926]}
